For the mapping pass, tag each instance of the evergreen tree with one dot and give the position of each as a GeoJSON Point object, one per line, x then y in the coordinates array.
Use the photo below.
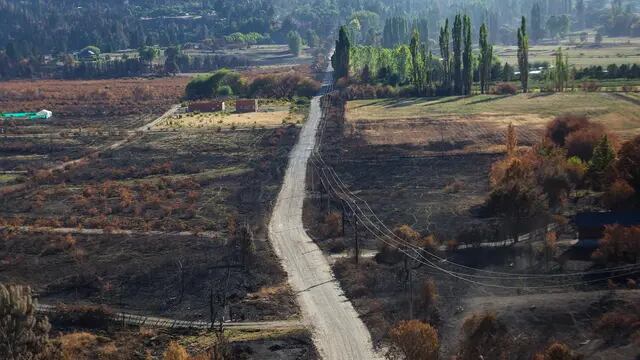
{"type": "Point", "coordinates": [445, 53]}
{"type": "Point", "coordinates": [486, 57]}
{"type": "Point", "coordinates": [294, 40]}
{"type": "Point", "coordinates": [537, 32]}
{"type": "Point", "coordinates": [340, 59]}
{"type": "Point", "coordinates": [467, 59]}
{"type": "Point", "coordinates": [580, 14]}
{"type": "Point", "coordinates": [603, 157]}
{"type": "Point", "coordinates": [523, 55]}
{"type": "Point", "coordinates": [457, 55]}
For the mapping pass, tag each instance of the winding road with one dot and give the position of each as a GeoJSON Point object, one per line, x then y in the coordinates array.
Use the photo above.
{"type": "Point", "coordinates": [338, 331]}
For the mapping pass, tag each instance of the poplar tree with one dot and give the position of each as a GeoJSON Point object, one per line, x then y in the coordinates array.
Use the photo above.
{"type": "Point", "coordinates": [340, 59]}
{"type": "Point", "coordinates": [523, 55]}
{"type": "Point", "coordinates": [445, 53]}
{"type": "Point", "coordinates": [417, 63]}
{"type": "Point", "coordinates": [457, 55]}
{"type": "Point", "coordinates": [561, 73]}
{"type": "Point", "coordinates": [467, 59]}
{"type": "Point", "coordinates": [486, 56]}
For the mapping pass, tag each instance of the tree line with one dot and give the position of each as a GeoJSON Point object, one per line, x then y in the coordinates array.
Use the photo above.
{"type": "Point", "coordinates": [452, 73]}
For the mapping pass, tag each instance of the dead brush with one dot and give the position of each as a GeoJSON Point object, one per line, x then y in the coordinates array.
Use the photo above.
{"type": "Point", "coordinates": [454, 187]}
{"type": "Point", "coordinates": [619, 324]}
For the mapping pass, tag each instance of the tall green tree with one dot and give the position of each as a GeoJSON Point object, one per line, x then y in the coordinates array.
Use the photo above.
{"type": "Point", "coordinates": [603, 157]}
{"type": "Point", "coordinates": [420, 74]}
{"type": "Point", "coordinates": [445, 53]}
{"type": "Point", "coordinates": [561, 72]}
{"type": "Point", "coordinates": [396, 31]}
{"type": "Point", "coordinates": [171, 55]}
{"type": "Point", "coordinates": [523, 55]}
{"type": "Point", "coordinates": [148, 54]}
{"type": "Point", "coordinates": [457, 55]}
{"type": "Point", "coordinates": [537, 31]}
{"type": "Point", "coordinates": [467, 58]}
{"type": "Point", "coordinates": [340, 59]}
{"type": "Point", "coordinates": [294, 40]}
{"type": "Point", "coordinates": [486, 57]}
{"type": "Point", "coordinates": [580, 14]}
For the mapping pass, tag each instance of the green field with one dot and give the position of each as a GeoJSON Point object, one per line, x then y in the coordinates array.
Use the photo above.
{"type": "Point", "coordinates": [611, 51]}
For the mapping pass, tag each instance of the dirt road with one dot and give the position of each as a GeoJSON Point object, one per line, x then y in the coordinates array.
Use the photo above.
{"type": "Point", "coordinates": [338, 331]}
{"type": "Point", "coordinates": [169, 323]}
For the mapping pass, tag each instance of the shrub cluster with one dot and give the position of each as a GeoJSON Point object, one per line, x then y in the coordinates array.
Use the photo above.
{"type": "Point", "coordinates": [224, 83]}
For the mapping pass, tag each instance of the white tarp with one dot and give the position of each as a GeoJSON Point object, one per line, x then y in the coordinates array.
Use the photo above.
{"type": "Point", "coordinates": [46, 113]}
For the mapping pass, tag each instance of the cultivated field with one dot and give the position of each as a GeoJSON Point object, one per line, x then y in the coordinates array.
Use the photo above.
{"type": "Point", "coordinates": [612, 51]}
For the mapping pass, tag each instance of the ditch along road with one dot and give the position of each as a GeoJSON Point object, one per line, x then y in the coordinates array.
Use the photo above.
{"type": "Point", "coordinates": [134, 134]}
{"type": "Point", "coordinates": [338, 331]}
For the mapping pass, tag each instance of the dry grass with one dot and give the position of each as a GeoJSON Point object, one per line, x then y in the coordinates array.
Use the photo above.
{"type": "Point", "coordinates": [479, 123]}
{"type": "Point", "coordinates": [226, 120]}
{"type": "Point", "coordinates": [83, 345]}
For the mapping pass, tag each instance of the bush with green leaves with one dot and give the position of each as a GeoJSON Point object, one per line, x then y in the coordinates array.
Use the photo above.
{"type": "Point", "coordinates": [223, 82]}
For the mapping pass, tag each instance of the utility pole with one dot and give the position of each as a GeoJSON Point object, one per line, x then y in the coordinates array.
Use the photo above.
{"type": "Point", "coordinates": [313, 180]}
{"type": "Point", "coordinates": [344, 217]}
{"type": "Point", "coordinates": [355, 233]}
{"type": "Point", "coordinates": [410, 294]}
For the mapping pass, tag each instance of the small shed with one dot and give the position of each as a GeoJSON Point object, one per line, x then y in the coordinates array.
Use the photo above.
{"type": "Point", "coordinates": [207, 106]}
{"type": "Point", "coordinates": [246, 105]}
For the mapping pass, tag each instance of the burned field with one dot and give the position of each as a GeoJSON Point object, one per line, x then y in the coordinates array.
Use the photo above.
{"type": "Point", "coordinates": [87, 115]}
{"type": "Point", "coordinates": [153, 225]}
{"type": "Point", "coordinates": [206, 187]}
{"type": "Point", "coordinates": [425, 163]}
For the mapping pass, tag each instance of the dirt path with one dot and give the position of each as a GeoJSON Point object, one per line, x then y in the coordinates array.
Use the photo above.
{"type": "Point", "coordinates": [168, 323]}
{"type": "Point", "coordinates": [83, 231]}
{"type": "Point", "coordinates": [338, 331]}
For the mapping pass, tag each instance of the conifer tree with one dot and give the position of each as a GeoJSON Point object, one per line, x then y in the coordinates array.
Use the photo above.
{"type": "Point", "coordinates": [536, 23]}
{"type": "Point", "coordinates": [457, 55]}
{"type": "Point", "coordinates": [340, 59]}
{"type": "Point", "coordinates": [523, 55]}
{"type": "Point", "coordinates": [486, 57]}
{"type": "Point", "coordinates": [445, 53]}
{"type": "Point", "coordinates": [467, 59]}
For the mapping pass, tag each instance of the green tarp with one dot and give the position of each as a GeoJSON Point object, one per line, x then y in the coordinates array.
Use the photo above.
{"type": "Point", "coordinates": [24, 115]}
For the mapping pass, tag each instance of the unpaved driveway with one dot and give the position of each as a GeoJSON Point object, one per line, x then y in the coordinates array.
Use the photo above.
{"type": "Point", "coordinates": [338, 331]}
